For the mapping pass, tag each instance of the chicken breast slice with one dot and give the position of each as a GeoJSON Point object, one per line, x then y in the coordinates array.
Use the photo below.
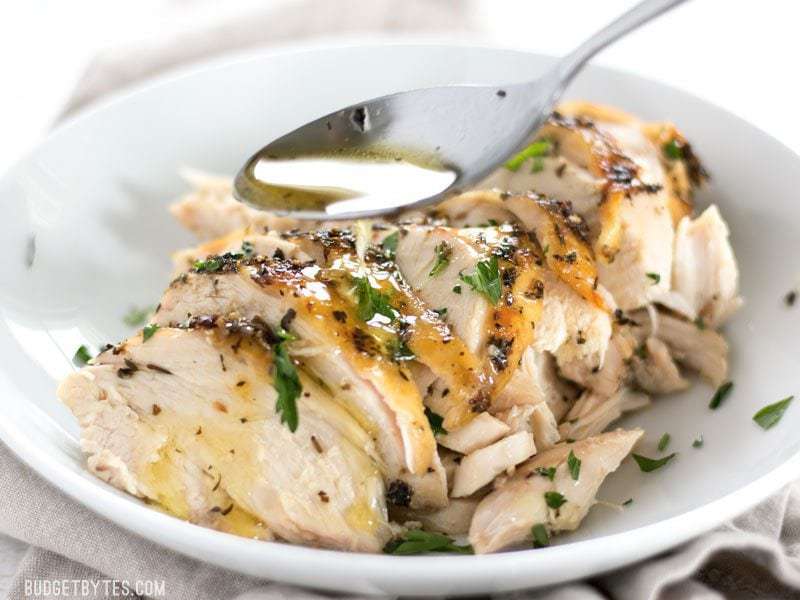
{"type": "Point", "coordinates": [702, 350]}
{"type": "Point", "coordinates": [534, 382]}
{"type": "Point", "coordinates": [334, 346]}
{"type": "Point", "coordinates": [506, 516]}
{"type": "Point", "coordinates": [454, 519]}
{"type": "Point", "coordinates": [654, 369]}
{"type": "Point", "coordinates": [603, 379]}
{"type": "Point", "coordinates": [468, 314]}
{"type": "Point", "coordinates": [705, 271]}
{"type": "Point", "coordinates": [612, 169]}
{"type": "Point", "coordinates": [536, 419]}
{"type": "Point", "coordinates": [575, 320]}
{"type": "Point", "coordinates": [201, 404]}
{"type": "Point", "coordinates": [478, 433]}
{"type": "Point", "coordinates": [482, 466]}
{"type": "Point", "coordinates": [594, 412]}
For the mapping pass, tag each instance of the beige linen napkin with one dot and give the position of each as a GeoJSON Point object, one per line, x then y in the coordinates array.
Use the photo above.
{"type": "Point", "coordinates": [756, 556]}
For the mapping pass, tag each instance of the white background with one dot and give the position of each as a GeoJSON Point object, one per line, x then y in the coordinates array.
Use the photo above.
{"type": "Point", "coordinates": [740, 55]}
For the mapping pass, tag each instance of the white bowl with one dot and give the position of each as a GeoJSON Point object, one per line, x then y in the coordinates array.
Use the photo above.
{"type": "Point", "coordinates": [86, 234]}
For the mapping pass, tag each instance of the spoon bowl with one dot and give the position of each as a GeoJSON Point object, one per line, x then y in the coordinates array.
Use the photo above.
{"type": "Point", "coordinates": [391, 153]}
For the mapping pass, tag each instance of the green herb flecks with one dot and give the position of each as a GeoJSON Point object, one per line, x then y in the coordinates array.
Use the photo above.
{"type": "Point", "coordinates": [673, 150]}
{"type": "Point", "coordinates": [698, 443]}
{"type": "Point", "coordinates": [400, 352]}
{"type": "Point", "coordinates": [457, 289]}
{"type": "Point", "coordinates": [136, 317]}
{"type": "Point", "coordinates": [574, 465]}
{"type": "Point", "coordinates": [287, 383]}
{"type": "Point", "coordinates": [541, 539]}
{"type": "Point", "coordinates": [214, 264]}
{"type": "Point", "coordinates": [248, 249]}
{"type": "Point", "coordinates": [417, 541]}
{"type": "Point", "coordinates": [655, 277]}
{"type": "Point", "coordinates": [700, 323]}
{"type": "Point", "coordinates": [651, 464]}
{"type": "Point", "coordinates": [389, 245]}
{"type": "Point", "coordinates": [81, 356]}
{"type": "Point", "coordinates": [663, 442]}
{"type": "Point", "coordinates": [486, 279]}
{"type": "Point", "coordinates": [149, 331]}
{"type": "Point", "coordinates": [372, 301]}
{"type": "Point", "coordinates": [554, 499]}
{"type": "Point", "coordinates": [537, 166]}
{"type": "Point", "coordinates": [436, 422]}
{"type": "Point", "coordinates": [443, 252]}
{"type": "Point", "coordinates": [772, 413]}
{"type": "Point", "coordinates": [722, 392]}
{"type": "Point", "coordinates": [549, 472]}
{"type": "Point", "coordinates": [628, 502]}
{"type": "Point", "coordinates": [536, 149]}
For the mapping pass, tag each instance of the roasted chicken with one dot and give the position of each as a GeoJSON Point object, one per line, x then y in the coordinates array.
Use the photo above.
{"type": "Point", "coordinates": [455, 369]}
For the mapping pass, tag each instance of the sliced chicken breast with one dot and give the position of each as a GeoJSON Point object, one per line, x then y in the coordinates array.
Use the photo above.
{"type": "Point", "coordinates": [482, 466]}
{"type": "Point", "coordinates": [506, 516]}
{"type": "Point", "coordinates": [186, 415]}
{"type": "Point", "coordinates": [705, 272]}
{"type": "Point", "coordinates": [593, 412]}
{"type": "Point", "coordinates": [335, 345]}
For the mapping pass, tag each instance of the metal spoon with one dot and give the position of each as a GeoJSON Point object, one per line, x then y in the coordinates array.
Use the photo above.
{"type": "Point", "coordinates": [413, 148]}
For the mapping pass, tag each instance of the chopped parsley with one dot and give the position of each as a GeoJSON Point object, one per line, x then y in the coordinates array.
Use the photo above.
{"type": "Point", "coordinates": [436, 422]}
{"type": "Point", "coordinates": [287, 383]}
{"type": "Point", "coordinates": [210, 265]}
{"type": "Point", "coordinates": [417, 541]}
{"type": "Point", "coordinates": [149, 331]}
{"type": "Point", "coordinates": [554, 499]}
{"type": "Point", "coordinates": [400, 351]}
{"type": "Point", "coordinates": [574, 465]}
{"type": "Point", "coordinates": [673, 150]}
{"type": "Point", "coordinates": [457, 289]}
{"type": "Point", "coordinates": [541, 538]}
{"type": "Point", "coordinates": [628, 502]}
{"type": "Point", "coordinates": [538, 164]}
{"type": "Point", "coordinates": [698, 443]}
{"type": "Point", "coordinates": [699, 323]}
{"type": "Point", "coordinates": [443, 253]}
{"type": "Point", "coordinates": [663, 442]}
{"type": "Point", "coordinates": [536, 149]}
{"type": "Point", "coordinates": [248, 249]}
{"type": "Point", "coordinates": [213, 264]}
{"type": "Point", "coordinates": [485, 280]}
{"type": "Point", "coordinates": [389, 244]}
{"type": "Point", "coordinates": [81, 356]}
{"type": "Point", "coordinates": [655, 277]}
{"type": "Point", "coordinates": [651, 464]}
{"type": "Point", "coordinates": [772, 413]}
{"type": "Point", "coordinates": [136, 317]}
{"type": "Point", "coordinates": [722, 392]}
{"type": "Point", "coordinates": [372, 301]}
{"type": "Point", "coordinates": [549, 472]}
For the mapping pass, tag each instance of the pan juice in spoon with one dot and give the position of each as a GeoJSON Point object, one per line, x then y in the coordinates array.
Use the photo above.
{"type": "Point", "coordinates": [336, 184]}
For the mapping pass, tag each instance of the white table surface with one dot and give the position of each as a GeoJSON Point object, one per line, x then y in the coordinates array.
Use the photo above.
{"type": "Point", "coordinates": [739, 55]}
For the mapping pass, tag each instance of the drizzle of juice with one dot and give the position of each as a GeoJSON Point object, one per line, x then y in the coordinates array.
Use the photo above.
{"type": "Point", "coordinates": [340, 183]}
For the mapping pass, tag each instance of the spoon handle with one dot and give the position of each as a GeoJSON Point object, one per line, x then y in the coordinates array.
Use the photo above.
{"type": "Point", "coordinates": [643, 12]}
